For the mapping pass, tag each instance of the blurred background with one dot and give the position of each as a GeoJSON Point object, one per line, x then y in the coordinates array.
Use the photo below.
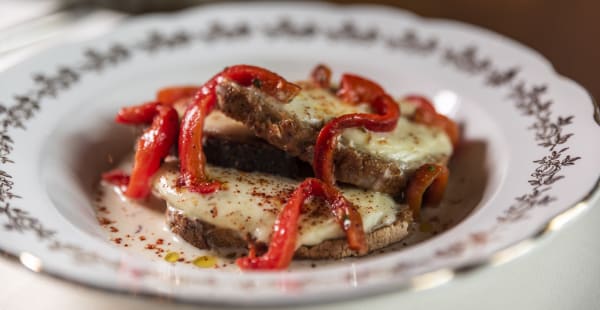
{"type": "Point", "coordinates": [566, 32]}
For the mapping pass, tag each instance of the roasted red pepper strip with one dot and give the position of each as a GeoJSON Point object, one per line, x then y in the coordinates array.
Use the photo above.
{"type": "Point", "coordinates": [191, 154]}
{"type": "Point", "coordinates": [170, 95]}
{"type": "Point", "coordinates": [152, 147]}
{"type": "Point", "coordinates": [139, 114]}
{"type": "Point", "coordinates": [429, 180]}
{"type": "Point", "coordinates": [356, 89]}
{"type": "Point", "coordinates": [386, 119]}
{"type": "Point", "coordinates": [420, 102]}
{"type": "Point", "coordinates": [144, 113]}
{"type": "Point", "coordinates": [285, 230]}
{"type": "Point", "coordinates": [116, 177]}
{"type": "Point", "coordinates": [426, 117]}
{"type": "Point", "coordinates": [426, 114]}
{"type": "Point", "coordinates": [321, 75]}
{"type": "Point", "coordinates": [267, 81]}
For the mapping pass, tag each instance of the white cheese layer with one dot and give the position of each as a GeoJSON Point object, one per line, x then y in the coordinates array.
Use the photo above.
{"type": "Point", "coordinates": [217, 123]}
{"type": "Point", "coordinates": [316, 105]}
{"type": "Point", "coordinates": [251, 202]}
{"type": "Point", "coordinates": [410, 144]}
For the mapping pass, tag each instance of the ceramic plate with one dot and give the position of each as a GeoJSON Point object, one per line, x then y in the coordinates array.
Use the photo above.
{"type": "Point", "coordinates": [527, 163]}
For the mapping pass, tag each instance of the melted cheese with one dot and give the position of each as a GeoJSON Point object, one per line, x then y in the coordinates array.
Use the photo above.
{"type": "Point", "coordinates": [217, 123]}
{"type": "Point", "coordinates": [317, 106]}
{"type": "Point", "coordinates": [251, 202]}
{"type": "Point", "coordinates": [410, 144]}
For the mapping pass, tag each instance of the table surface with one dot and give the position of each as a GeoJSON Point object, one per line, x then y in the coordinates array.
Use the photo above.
{"type": "Point", "coordinates": [561, 272]}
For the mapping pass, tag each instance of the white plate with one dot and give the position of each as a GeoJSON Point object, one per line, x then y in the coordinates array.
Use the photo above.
{"type": "Point", "coordinates": [528, 141]}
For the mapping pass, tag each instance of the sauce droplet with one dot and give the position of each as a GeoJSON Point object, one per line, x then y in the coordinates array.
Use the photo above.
{"type": "Point", "coordinates": [205, 261]}
{"type": "Point", "coordinates": [172, 257]}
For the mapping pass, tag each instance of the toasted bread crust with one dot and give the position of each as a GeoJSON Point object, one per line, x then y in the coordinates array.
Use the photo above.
{"type": "Point", "coordinates": [204, 235]}
{"type": "Point", "coordinates": [261, 114]}
{"type": "Point", "coordinates": [284, 130]}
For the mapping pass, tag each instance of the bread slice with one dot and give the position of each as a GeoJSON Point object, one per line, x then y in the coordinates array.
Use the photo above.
{"type": "Point", "coordinates": [246, 209]}
{"type": "Point", "coordinates": [207, 236]}
{"type": "Point", "coordinates": [226, 151]}
{"type": "Point", "coordinates": [228, 143]}
{"type": "Point", "coordinates": [377, 161]}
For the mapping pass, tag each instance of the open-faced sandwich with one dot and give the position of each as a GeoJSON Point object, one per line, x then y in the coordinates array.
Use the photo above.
{"type": "Point", "coordinates": [307, 169]}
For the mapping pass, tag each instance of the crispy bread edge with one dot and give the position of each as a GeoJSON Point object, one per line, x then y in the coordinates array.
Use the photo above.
{"type": "Point", "coordinates": [207, 236]}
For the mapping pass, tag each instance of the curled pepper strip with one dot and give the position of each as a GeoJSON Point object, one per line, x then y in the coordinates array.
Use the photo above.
{"type": "Point", "coordinates": [285, 230]}
{"type": "Point", "coordinates": [152, 147]}
{"type": "Point", "coordinates": [191, 154]}
{"type": "Point", "coordinates": [356, 89]}
{"type": "Point", "coordinates": [140, 114]}
{"type": "Point", "coordinates": [438, 120]}
{"type": "Point", "coordinates": [420, 102]}
{"type": "Point", "coordinates": [429, 180]}
{"type": "Point", "coordinates": [386, 117]}
{"type": "Point", "coordinates": [144, 113]}
{"type": "Point", "coordinates": [170, 95]}
{"type": "Point", "coordinates": [321, 75]}
{"type": "Point", "coordinates": [269, 82]}
{"type": "Point", "coordinates": [426, 114]}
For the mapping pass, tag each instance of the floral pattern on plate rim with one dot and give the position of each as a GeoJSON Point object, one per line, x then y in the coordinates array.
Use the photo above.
{"type": "Point", "coordinates": [548, 132]}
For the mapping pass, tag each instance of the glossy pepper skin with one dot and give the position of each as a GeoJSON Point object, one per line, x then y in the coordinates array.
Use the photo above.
{"type": "Point", "coordinates": [139, 114]}
{"type": "Point", "coordinates": [354, 89]}
{"type": "Point", "coordinates": [285, 230]}
{"type": "Point", "coordinates": [152, 147]}
{"type": "Point", "coordinates": [191, 155]}
{"type": "Point", "coordinates": [170, 95]}
{"type": "Point", "coordinates": [144, 113]}
{"type": "Point", "coordinates": [429, 181]}
{"type": "Point", "coordinates": [420, 102]}
{"type": "Point", "coordinates": [427, 115]}
{"type": "Point", "coordinates": [321, 75]}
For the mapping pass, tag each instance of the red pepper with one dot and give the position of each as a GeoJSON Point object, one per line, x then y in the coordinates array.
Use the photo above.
{"type": "Point", "coordinates": [429, 180]}
{"type": "Point", "coordinates": [285, 230]}
{"type": "Point", "coordinates": [170, 95]}
{"type": "Point", "coordinates": [426, 114]}
{"type": "Point", "coordinates": [386, 117]}
{"type": "Point", "coordinates": [356, 89]}
{"type": "Point", "coordinates": [420, 102]}
{"type": "Point", "coordinates": [152, 147]}
{"type": "Point", "coordinates": [426, 117]}
{"type": "Point", "coordinates": [116, 177]}
{"type": "Point", "coordinates": [144, 113]}
{"type": "Point", "coordinates": [191, 154]}
{"type": "Point", "coordinates": [269, 82]}
{"type": "Point", "coordinates": [321, 75]}
{"type": "Point", "coordinates": [140, 114]}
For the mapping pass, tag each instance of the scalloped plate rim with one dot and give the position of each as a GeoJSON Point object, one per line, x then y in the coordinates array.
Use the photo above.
{"type": "Point", "coordinates": [593, 194]}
